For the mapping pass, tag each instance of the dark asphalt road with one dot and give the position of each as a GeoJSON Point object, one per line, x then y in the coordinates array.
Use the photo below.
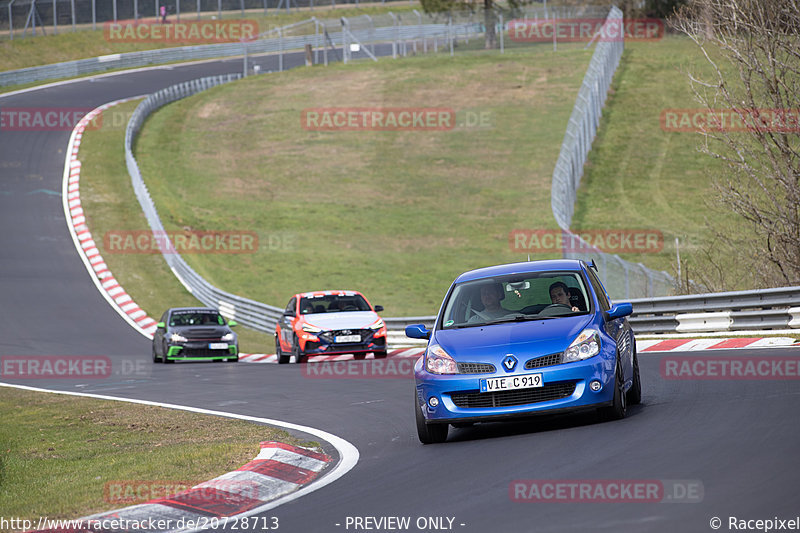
{"type": "Point", "coordinates": [739, 439]}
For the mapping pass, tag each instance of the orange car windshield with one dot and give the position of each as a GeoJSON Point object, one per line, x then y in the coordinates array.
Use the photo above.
{"type": "Point", "coordinates": [331, 303]}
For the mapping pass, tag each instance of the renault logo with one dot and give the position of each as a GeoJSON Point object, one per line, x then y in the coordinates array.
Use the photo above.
{"type": "Point", "coordinates": [509, 362]}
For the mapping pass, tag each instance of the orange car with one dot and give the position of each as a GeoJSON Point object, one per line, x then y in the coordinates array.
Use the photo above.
{"type": "Point", "coordinates": [329, 323]}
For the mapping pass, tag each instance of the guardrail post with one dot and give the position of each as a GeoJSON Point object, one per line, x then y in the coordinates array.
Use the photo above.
{"type": "Point", "coordinates": [135, 12]}
{"type": "Point", "coordinates": [450, 32]}
{"type": "Point", "coordinates": [325, 48]}
{"type": "Point", "coordinates": [94, 14]}
{"type": "Point", "coordinates": [10, 22]}
{"type": "Point", "coordinates": [72, 5]}
{"type": "Point", "coordinates": [316, 40]}
{"type": "Point", "coordinates": [280, 47]}
{"type": "Point", "coordinates": [371, 32]}
{"type": "Point", "coordinates": [345, 41]}
{"type": "Point", "coordinates": [244, 59]}
{"type": "Point", "coordinates": [502, 46]}
{"type": "Point", "coordinates": [394, 41]}
{"type": "Point", "coordinates": [198, 9]}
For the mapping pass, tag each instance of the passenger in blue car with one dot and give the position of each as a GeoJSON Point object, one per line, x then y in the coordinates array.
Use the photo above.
{"type": "Point", "coordinates": [559, 294]}
{"type": "Point", "coordinates": [491, 294]}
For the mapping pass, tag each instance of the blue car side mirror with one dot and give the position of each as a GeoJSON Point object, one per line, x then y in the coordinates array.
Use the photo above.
{"type": "Point", "coordinates": [619, 311]}
{"type": "Point", "coordinates": [418, 331]}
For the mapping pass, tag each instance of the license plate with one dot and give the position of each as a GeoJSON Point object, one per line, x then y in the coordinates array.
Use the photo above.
{"type": "Point", "coordinates": [525, 381]}
{"type": "Point", "coordinates": [218, 346]}
{"type": "Point", "coordinates": [347, 338]}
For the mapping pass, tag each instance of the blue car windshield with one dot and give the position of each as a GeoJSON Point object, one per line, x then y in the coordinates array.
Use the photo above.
{"type": "Point", "coordinates": [517, 297]}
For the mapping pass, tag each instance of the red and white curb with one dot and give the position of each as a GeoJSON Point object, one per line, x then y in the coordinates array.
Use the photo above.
{"type": "Point", "coordinates": [279, 474]}
{"type": "Point", "coordinates": [108, 286]}
{"type": "Point", "coordinates": [691, 345]}
{"type": "Point", "coordinates": [272, 358]}
{"type": "Point", "coordinates": [642, 345]}
{"type": "Point", "coordinates": [278, 470]}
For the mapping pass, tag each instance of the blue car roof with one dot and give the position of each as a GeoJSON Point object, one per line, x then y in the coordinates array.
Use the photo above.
{"type": "Point", "coordinates": [519, 268]}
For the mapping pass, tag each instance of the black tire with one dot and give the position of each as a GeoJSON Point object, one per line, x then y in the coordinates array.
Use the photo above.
{"type": "Point", "coordinates": [428, 433]}
{"type": "Point", "coordinates": [299, 356]}
{"type": "Point", "coordinates": [618, 409]}
{"type": "Point", "coordinates": [380, 355]}
{"type": "Point", "coordinates": [634, 394]}
{"type": "Point", "coordinates": [359, 356]}
{"type": "Point", "coordinates": [155, 356]}
{"type": "Point", "coordinates": [283, 358]}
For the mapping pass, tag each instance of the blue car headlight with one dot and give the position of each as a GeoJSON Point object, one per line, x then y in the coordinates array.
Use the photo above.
{"type": "Point", "coordinates": [586, 345]}
{"type": "Point", "coordinates": [438, 361]}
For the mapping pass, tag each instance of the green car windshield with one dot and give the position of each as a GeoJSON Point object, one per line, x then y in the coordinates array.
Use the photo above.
{"type": "Point", "coordinates": [194, 318]}
{"type": "Point", "coordinates": [517, 297]}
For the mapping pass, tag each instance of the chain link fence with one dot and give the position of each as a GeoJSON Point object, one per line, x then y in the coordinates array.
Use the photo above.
{"type": "Point", "coordinates": [621, 278]}
{"type": "Point", "coordinates": [23, 18]}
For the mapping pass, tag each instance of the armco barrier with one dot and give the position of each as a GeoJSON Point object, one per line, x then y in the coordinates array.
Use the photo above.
{"type": "Point", "coordinates": [81, 67]}
{"type": "Point", "coordinates": [724, 311]}
{"type": "Point", "coordinates": [762, 309]}
{"type": "Point", "coordinates": [254, 314]}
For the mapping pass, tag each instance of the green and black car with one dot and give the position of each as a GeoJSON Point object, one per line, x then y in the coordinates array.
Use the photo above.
{"type": "Point", "coordinates": [194, 334]}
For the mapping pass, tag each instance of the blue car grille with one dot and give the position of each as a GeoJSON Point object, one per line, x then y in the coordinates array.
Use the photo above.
{"type": "Point", "coordinates": [476, 368]}
{"type": "Point", "coordinates": [547, 360]}
{"type": "Point", "coordinates": [509, 398]}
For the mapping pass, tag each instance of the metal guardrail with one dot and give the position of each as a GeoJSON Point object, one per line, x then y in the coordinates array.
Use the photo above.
{"type": "Point", "coordinates": [724, 311]}
{"type": "Point", "coordinates": [81, 67]}
{"type": "Point", "coordinates": [621, 278]}
{"type": "Point", "coordinates": [256, 315]}
{"type": "Point", "coordinates": [777, 308]}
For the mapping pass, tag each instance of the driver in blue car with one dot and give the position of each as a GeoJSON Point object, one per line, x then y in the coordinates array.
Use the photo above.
{"type": "Point", "coordinates": [559, 294]}
{"type": "Point", "coordinates": [491, 295]}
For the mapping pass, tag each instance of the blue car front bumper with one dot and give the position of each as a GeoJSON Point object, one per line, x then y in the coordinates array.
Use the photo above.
{"type": "Point", "coordinates": [565, 387]}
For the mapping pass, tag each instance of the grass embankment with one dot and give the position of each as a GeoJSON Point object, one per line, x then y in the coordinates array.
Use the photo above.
{"type": "Point", "coordinates": [67, 457]}
{"type": "Point", "coordinates": [68, 45]}
{"type": "Point", "coordinates": [640, 176]}
{"type": "Point", "coordinates": [396, 214]}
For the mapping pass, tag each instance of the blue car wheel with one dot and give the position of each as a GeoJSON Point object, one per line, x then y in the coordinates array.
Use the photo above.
{"type": "Point", "coordinates": [428, 433]}
{"type": "Point", "coordinates": [618, 409]}
{"type": "Point", "coordinates": [635, 392]}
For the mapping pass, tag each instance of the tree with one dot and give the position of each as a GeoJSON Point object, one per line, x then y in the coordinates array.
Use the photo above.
{"type": "Point", "coordinates": [489, 14]}
{"type": "Point", "coordinates": [753, 95]}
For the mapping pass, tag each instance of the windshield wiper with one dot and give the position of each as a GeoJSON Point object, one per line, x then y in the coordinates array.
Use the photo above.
{"type": "Point", "coordinates": [521, 318]}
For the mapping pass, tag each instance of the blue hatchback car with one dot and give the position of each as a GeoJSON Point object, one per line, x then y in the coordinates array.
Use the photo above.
{"type": "Point", "coordinates": [524, 339]}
